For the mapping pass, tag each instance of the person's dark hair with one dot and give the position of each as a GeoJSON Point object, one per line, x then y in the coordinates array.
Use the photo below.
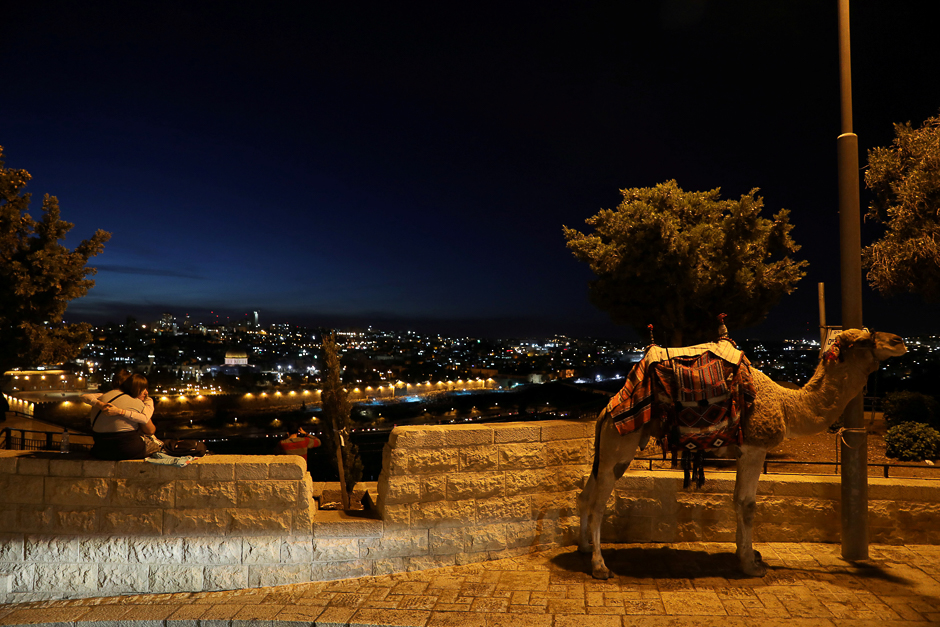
{"type": "Point", "coordinates": [134, 385]}
{"type": "Point", "coordinates": [119, 378]}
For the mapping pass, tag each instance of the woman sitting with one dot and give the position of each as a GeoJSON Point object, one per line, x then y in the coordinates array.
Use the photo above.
{"type": "Point", "coordinates": [121, 419]}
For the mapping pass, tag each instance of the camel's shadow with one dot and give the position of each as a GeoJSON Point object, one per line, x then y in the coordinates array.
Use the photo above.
{"type": "Point", "coordinates": [642, 563]}
{"type": "Point", "coordinates": [655, 563]}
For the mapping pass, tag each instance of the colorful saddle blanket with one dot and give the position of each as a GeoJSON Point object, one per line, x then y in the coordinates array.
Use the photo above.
{"type": "Point", "coordinates": [700, 392]}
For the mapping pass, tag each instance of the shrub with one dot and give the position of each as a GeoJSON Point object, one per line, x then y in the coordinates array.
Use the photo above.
{"type": "Point", "coordinates": [901, 407]}
{"type": "Point", "coordinates": [913, 441]}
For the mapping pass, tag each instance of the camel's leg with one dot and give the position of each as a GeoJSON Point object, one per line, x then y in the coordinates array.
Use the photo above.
{"type": "Point", "coordinates": [750, 466]}
{"type": "Point", "coordinates": [612, 454]}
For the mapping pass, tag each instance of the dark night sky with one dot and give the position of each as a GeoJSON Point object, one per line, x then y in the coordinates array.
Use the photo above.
{"type": "Point", "coordinates": [411, 165]}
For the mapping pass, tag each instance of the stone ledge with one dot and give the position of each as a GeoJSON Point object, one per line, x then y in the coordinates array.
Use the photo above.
{"type": "Point", "coordinates": [340, 524]}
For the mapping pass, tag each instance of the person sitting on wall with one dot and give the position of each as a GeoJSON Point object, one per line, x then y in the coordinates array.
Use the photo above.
{"type": "Point", "coordinates": [121, 420]}
{"type": "Point", "coordinates": [299, 442]}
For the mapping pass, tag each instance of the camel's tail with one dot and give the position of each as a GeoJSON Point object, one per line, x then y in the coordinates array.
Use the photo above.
{"type": "Point", "coordinates": [597, 441]}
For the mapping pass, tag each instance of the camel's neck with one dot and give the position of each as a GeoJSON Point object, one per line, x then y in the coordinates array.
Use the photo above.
{"type": "Point", "coordinates": [820, 402]}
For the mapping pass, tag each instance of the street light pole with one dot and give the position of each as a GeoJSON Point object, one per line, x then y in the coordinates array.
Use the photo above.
{"type": "Point", "coordinates": [854, 436]}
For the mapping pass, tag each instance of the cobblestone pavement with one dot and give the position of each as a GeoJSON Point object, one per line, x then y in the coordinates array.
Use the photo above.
{"type": "Point", "coordinates": [654, 585]}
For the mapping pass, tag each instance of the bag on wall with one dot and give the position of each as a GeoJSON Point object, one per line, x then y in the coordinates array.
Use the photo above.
{"type": "Point", "coordinates": [182, 448]}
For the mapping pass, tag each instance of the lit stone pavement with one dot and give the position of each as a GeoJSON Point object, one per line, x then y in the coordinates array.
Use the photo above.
{"type": "Point", "coordinates": [808, 584]}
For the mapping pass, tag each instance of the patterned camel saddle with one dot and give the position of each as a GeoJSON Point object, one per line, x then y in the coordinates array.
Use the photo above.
{"type": "Point", "coordinates": [700, 392]}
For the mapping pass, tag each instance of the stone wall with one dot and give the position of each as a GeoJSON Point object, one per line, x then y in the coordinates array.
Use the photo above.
{"type": "Point", "coordinates": [71, 526]}
{"type": "Point", "coordinates": [483, 491]}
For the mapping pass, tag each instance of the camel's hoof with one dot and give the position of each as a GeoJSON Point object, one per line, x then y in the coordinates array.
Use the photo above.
{"type": "Point", "coordinates": [600, 572]}
{"type": "Point", "coordinates": [585, 548]}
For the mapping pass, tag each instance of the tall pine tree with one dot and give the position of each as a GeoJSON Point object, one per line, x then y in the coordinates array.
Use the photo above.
{"type": "Point", "coordinates": [38, 278]}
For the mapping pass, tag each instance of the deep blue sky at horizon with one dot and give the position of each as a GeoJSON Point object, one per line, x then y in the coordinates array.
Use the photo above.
{"type": "Point", "coordinates": [411, 165]}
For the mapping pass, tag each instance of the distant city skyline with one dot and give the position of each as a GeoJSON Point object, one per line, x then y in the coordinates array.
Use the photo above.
{"type": "Point", "coordinates": [402, 166]}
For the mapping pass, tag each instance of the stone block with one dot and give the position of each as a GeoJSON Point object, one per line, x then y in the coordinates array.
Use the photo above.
{"type": "Point", "coordinates": [298, 549]}
{"type": "Point", "coordinates": [434, 488]}
{"type": "Point", "coordinates": [467, 435]}
{"type": "Point", "coordinates": [156, 550]}
{"type": "Point", "coordinates": [76, 491]}
{"type": "Point", "coordinates": [267, 494]}
{"type": "Point", "coordinates": [506, 433]}
{"type": "Point", "coordinates": [123, 578]}
{"type": "Point", "coordinates": [251, 471]}
{"type": "Point", "coordinates": [212, 550]}
{"type": "Point", "coordinates": [427, 461]}
{"type": "Point", "coordinates": [57, 519]}
{"type": "Point", "coordinates": [626, 506]}
{"type": "Point", "coordinates": [340, 570]}
{"type": "Point", "coordinates": [12, 547]}
{"type": "Point", "coordinates": [530, 481]}
{"type": "Point", "coordinates": [335, 549]}
{"type": "Point", "coordinates": [24, 576]}
{"type": "Point", "coordinates": [568, 452]}
{"type": "Point", "coordinates": [417, 437]}
{"type": "Point", "coordinates": [261, 550]}
{"type": "Point", "coordinates": [196, 522]}
{"type": "Point", "coordinates": [639, 529]}
{"type": "Point", "coordinates": [394, 516]}
{"type": "Point", "coordinates": [65, 467]}
{"type": "Point", "coordinates": [9, 516]}
{"type": "Point", "coordinates": [443, 514]}
{"type": "Point", "coordinates": [555, 504]}
{"type": "Point", "coordinates": [521, 456]}
{"type": "Point", "coordinates": [474, 485]}
{"type": "Point", "coordinates": [8, 463]}
{"type": "Point", "coordinates": [486, 538]}
{"type": "Point", "coordinates": [403, 489]}
{"type": "Point", "coordinates": [131, 520]}
{"type": "Point", "coordinates": [214, 468]}
{"type": "Point", "coordinates": [98, 468]}
{"type": "Point", "coordinates": [225, 577]}
{"type": "Point", "coordinates": [143, 493]}
{"type": "Point", "coordinates": [32, 466]}
{"type": "Point", "coordinates": [447, 541]}
{"type": "Point", "coordinates": [389, 565]}
{"type": "Point", "coordinates": [479, 458]}
{"type": "Point", "coordinates": [98, 549]}
{"type": "Point", "coordinates": [197, 494]}
{"type": "Point", "coordinates": [404, 543]}
{"type": "Point", "coordinates": [288, 467]}
{"type": "Point", "coordinates": [66, 579]}
{"type": "Point", "coordinates": [567, 430]}
{"type": "Point", "coordinates": [22, 488]}
{"type": "Point", "coordinates": [260, 521]}
{"type": "Point", "coordinates": [302, 519]}
{"type": "Point", "coordinates": [278, 575]}
{"type": "Point", "coordinates": [339, 524]}
{"type": "Point", "coordinates": [504, 509]}
{"type": "Point", "coordinates": [175, 578]}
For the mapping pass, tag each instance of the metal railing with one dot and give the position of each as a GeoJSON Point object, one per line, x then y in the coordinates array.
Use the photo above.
{"type": "Point", "coordinates": [13, 439]}
{"type": "Point", "coordinates": [792, 462]}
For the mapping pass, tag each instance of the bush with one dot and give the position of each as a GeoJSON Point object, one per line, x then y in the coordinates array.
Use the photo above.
{"type": "Point", "coordinates": [913, 441]}
{"type": "Point", "coordinates": [901, 407]}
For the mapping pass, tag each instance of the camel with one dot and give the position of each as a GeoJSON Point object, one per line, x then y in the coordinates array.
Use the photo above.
{"type": "Point", "coordinates": [777, 413]}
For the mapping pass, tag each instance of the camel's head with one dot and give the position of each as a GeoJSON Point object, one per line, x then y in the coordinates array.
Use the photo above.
{"type": "Point", "coordinates": [879, 345]}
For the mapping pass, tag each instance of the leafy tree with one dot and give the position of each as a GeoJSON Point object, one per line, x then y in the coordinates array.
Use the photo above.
{"type": "Point", "coordinates": [678, 259]}
{"type": "Point", "coordinates": [337, 410]}
{"type": "Point", "coordinates": [38, 278]}
{"type": "Point", "coordinates": [905, 180]}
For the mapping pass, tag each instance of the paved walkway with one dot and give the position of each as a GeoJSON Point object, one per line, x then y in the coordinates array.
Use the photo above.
{"type": "Point", "coordinates": [657, 585]}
